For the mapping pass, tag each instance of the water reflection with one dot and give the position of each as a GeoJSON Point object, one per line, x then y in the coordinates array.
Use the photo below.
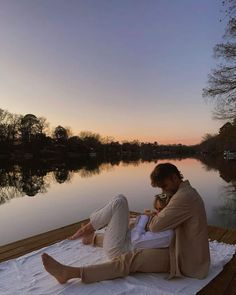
{"type": "Point", "coordinates": [16, 181]}
{"type": "Point", "coordinates": [8, 193]}
{"type": "Point", "coordinates": [32, 179]}
{"type": "Point", "coordinates": [62, 175]}
{"type": "Point", "coordinates": [225, 214]}
{"type": "Point", "coordinates": [19, 180]}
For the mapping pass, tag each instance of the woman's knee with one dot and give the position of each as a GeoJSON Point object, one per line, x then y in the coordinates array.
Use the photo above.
{"type": "Point", "coordinates": [120, 200]}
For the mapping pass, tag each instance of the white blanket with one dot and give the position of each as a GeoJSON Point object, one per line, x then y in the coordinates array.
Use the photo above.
{"type": "Point", "coordinates": [26, 275]}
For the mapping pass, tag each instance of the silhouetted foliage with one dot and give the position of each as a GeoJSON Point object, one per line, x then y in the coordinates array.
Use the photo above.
{"type": "Point", "coordinates": [62, 174]}
{"type": "Point", "coordinates": [31, 128]}
{"type": "Point", "coordinates": [61, 134]}
{"type": "Point", "coordinates": [27, 137]}
{"type": "Point", "coordinates": [34, 177]}
{"type": "Point", "coordinates": [224, 140]}
{"type": "Point", "coordinates": [225, 213]}
{"type": "Point", "coordinates": [222, 80]}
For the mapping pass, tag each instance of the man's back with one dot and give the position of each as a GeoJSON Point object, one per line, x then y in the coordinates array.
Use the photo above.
{"type": "Point", "coordinates": [186, 214]}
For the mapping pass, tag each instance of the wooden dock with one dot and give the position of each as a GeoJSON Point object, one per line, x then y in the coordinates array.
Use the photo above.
{"type": "Point", "coordinates": [223, 284]}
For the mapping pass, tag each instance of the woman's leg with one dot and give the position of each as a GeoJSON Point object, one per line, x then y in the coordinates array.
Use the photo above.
{"type": "Point", "coordinates": [114, 215]}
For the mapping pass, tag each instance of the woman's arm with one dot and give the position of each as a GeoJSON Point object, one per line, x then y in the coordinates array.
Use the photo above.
{"type": "Point", "coordinates": [140, 238]}
{"type": "Point", "coordinates": [152, 240]}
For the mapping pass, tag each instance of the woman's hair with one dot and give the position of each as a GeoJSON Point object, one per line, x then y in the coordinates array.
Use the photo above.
{"type": "Point", "coordinates": [163, 171]}
{"type": "Point", "coordinates": [163, 201]}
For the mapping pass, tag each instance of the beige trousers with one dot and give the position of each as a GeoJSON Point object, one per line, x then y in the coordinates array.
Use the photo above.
{"type": "Point", "coordinates": [116, 243]}
{"type": "Point", "coordinates": [146, 260]}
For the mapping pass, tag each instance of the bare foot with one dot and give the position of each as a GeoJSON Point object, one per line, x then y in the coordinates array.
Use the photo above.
{"type": "Point", "coordinates": [78, 234]}
{"type": "Point", "coordinates": [84, 230]}
{"type": "Point", "coordinates": [55, 268]}
{"type": "Point", "coordinates": [88, 239]}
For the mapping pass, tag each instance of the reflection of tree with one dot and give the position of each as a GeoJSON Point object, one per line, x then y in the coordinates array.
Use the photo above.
{"type": "Point", "coordinates": [84, 173]}
{"type": "Point", "coordinates": [227, 212]}
{"type": "Point", "coordinates": [230, 196]}
{"type": "Point", "coordinates": [29, 179]}
{"type": "Point", "coordinates": [126, 163]}
{"type": "Point", "coordinates": [19, 181]}
{"type": "Point", "coordinates": [106, 167]}
{"type": "Point", "coordinates": [62, 175]}
{"type": "Point", "coordinates": [225, 215]}
{"type": "Point", "coordinates": [33, 184]}
{"type": "Point", "coordinates": [8, 193]}
{"type": "Point", "coordinates": [93, 170]}
{"type": "Point", "coordinates": [22, 181]}
{"type": "Point", "coordinates": [10, 183]}
{"type": "Point", "coordinates": [227, 169]}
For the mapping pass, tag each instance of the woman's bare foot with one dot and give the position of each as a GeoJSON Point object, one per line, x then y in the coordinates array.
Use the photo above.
{"type": "Point", "coordinates": [88, 239]}
{"type": "Point", "coordinates": [55, 268]}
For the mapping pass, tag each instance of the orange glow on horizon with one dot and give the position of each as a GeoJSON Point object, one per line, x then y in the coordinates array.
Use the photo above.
{"type": "Point", "coordinates": [162, 141]}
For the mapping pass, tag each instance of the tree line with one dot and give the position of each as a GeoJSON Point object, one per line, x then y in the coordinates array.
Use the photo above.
{"type": "Point", "coordinates": [26, 136]}
{"type": "Point", "coordinates": [225, 139]}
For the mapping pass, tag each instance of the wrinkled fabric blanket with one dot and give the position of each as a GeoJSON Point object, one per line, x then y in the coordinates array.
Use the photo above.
{"type": "Point", "coordinates": [26, 275]}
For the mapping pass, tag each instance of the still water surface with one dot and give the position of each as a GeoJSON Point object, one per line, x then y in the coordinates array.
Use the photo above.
{"type": "Point", "coordinates": [57, 204]}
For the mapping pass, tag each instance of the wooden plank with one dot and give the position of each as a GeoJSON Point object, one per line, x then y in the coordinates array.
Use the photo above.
{"type": "Point", "coordinates": [229, 237]}
{"type": "Point", "coordinates": [39, 237]}
{"type": "Point", "coordinates": [231, 290]}
{"type": "Point", "coordinates": [221, 283]}
{"type": "Point", "coordinates": [216, 233]}
{"type": "Point", "coordinates": [24, 246]}
{"type": "Point", "coordinates": [225, 282]}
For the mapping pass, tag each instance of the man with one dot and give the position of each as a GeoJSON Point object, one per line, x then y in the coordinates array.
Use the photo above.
{"type": "Point", "coordinates": [187, 255]}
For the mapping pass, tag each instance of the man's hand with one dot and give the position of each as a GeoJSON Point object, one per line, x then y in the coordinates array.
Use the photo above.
{"type": "Point", "coordinates": [84, 230]}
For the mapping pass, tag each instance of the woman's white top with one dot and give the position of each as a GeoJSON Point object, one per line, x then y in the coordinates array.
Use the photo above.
{"type": "Point", "coordinates": [140, 238]}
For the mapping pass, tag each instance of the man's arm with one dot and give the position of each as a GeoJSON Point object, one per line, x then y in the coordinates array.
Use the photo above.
{"type": "Point", "coordinates": [176, 212]}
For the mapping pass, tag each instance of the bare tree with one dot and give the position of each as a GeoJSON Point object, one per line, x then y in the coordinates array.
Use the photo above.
{"type": "Point", "coordinates": [9, 126]}
{"type": "Point", "coordinates": [222, 80]}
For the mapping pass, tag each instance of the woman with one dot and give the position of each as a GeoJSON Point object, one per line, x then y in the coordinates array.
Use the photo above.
{"type": "Point", "coordinates": [140, 238]}
{"type": "Point", "coordinates": [121, 235]}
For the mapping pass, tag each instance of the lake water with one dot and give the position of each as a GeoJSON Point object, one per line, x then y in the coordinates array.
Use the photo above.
{"type": "Point", "coordinates": [61, 197]}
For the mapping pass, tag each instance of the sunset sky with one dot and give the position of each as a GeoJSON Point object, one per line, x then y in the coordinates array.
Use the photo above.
{"type": "Point", "coordinates": [130, 69]}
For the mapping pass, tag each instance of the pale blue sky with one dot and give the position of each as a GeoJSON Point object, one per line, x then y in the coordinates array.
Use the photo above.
{"type": "Point", "coordinates": [125, 68]}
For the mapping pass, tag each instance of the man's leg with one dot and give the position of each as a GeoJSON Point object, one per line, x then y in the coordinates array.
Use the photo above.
{"type": "Point", "coordinates": [147, 260]}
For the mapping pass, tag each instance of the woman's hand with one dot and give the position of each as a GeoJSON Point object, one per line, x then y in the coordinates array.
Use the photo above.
{"type": "Point", "coordinates": [149, 212]}
{"type": "Point", "coordinates": [134, 215]}
{"type": "Point", "coordinates": [84, 230]}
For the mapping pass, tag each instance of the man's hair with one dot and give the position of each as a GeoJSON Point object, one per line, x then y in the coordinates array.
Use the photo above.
{"type": "Point", "coordinates": [163, 171]}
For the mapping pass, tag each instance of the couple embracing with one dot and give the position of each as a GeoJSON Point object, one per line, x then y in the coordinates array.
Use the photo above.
{"type": "Point", "coordinates": [173, 239]}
